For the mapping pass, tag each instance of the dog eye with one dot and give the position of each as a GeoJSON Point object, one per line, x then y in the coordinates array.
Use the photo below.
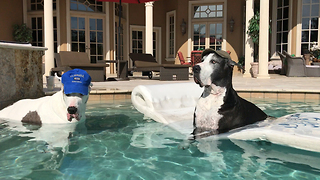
{"type": "Point", "coordinates": [213, 61]}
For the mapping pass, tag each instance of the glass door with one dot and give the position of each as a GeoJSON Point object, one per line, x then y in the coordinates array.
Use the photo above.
{"type": "Point", "coordinates": [96, 39]}
{"type": "Point", "coordinates": [87, 36]}
{"type": "Point", "coordinates": [207, 35]}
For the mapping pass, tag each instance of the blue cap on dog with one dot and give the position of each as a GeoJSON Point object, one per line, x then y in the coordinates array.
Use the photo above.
{"type": "Point", "coordinates": [76, 81]}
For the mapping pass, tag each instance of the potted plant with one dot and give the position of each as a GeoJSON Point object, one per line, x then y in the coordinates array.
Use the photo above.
{"type": "Point", "coordinates": [315, 52]}
{"type": "Point", "coordinates": [253, 32]}
{"type": "Point", "coordinates": [21, 33]}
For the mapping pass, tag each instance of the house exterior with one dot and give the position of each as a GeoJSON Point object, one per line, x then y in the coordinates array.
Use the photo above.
{"type": "Point", "coordinates": [164, 27]}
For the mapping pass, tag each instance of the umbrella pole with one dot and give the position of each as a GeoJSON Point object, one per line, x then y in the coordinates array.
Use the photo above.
{"type": "Point", "coordinates": [119, 41]}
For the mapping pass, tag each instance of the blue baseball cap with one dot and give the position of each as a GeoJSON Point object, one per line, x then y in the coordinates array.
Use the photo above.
{"type": "Point", "coordinates": [76, 81]}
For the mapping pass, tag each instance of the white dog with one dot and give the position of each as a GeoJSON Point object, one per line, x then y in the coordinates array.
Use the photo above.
{"type": "Point", "coordinates": [67, 105]}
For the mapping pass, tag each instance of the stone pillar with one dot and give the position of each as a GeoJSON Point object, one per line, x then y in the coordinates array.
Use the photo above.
{"type": "Point", "coordinates": [20, 73]}
{"type": "Point", "coordinates": [149, 27]}
{"type": "Point", "coordinates": [249, 47]}
{"type": "Point", "coordinates": [48, 36]}
{"type": "Point", "coordinates": [264, 40]}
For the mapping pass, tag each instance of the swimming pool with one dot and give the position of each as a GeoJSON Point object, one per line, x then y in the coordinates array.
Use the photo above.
{"type": "Point", "coordinates": [119, 144]}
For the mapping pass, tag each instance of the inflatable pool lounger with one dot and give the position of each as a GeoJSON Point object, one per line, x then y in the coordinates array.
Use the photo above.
{"type": "Point", "coordinates": [174, 104]}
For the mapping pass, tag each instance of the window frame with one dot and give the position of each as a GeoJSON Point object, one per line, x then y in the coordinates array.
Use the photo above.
{"type": "Point", "coordinates": [170, 46]}
{"type": "Point", "coordinates": [193, 21]}
{"type": "Point", "coordinates": [273, 49]}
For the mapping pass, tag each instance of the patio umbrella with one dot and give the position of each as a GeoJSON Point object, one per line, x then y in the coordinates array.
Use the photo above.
{"type": "Point", "coordinates": [119, 24]}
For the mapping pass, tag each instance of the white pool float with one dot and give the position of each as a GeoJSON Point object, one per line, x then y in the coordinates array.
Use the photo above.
{"type": "Point", "coordinates": [173, 105]}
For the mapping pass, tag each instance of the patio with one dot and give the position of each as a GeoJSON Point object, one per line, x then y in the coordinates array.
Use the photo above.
{"type": "Point", "coordinates": [277, 87]}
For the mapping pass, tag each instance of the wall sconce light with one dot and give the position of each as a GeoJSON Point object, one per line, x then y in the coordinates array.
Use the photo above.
{"type": "Point", "coordinates": [183, 27]}
{"type": "Point", "coordinates": [231, 23]}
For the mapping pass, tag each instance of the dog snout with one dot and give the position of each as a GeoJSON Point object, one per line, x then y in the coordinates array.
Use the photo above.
{"type": "Point", "coordinates": [196, 69]}
{"type": "Point", "coordinates": [72, 110]}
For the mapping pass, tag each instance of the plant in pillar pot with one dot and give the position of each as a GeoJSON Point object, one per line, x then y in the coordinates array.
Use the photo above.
{"type": "Point", "coordinates": [253, 32]}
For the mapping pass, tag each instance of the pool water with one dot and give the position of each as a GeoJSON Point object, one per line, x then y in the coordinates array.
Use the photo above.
{"type": "Point", "coordinates": [118, 143]}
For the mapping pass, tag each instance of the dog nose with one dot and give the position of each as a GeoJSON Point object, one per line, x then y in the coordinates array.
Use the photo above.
{"type": "Point", "coordinates": [72, 110]}
{"type": "Point", "coordinates": [196, 69]}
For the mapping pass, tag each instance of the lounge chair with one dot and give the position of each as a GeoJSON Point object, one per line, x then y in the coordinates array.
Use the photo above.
{"type": "Point", "coordinates": [147, 63]}
{"type": "Point", "coordinates": [297, 67]}
{"type": "Point", "coordinates": [67, 60]}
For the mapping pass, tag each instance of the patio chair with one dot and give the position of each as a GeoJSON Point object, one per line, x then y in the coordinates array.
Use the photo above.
{"type": "Point", "coordinates": [284, 63]}
{"type": "Point", "coordinates": [147, 63]}
{"type": "Point", "coordinates": [296, 66]}
{"type": "Point", "coordinates": [67, 60]}
{"type": "Point", "coordinates": [195, 57]}
{"type": "Point", "coordinates": [181, 58]}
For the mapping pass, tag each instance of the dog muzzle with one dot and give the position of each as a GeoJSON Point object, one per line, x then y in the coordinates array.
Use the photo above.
{"type": "Point", "coordinates": [73, 113]}
{"type": "Point", "coordinates": [196, 75]}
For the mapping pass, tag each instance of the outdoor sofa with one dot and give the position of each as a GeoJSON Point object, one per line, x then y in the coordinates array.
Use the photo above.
{"type": "Point", "coordinates": [296, 67]}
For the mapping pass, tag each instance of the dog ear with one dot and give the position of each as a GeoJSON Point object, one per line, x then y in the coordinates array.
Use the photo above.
{"type": "Point", "coordinates": [232, 64]}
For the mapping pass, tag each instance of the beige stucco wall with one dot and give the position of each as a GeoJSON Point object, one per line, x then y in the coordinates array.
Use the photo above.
{"type": "Point", "coordinates": [11, 13]}
{"type": "Point", "coordinates": [235, 39]}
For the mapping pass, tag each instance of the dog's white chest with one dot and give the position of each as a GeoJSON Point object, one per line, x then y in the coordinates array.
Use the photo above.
{"type": "Point", "coordinates": [206, 113]}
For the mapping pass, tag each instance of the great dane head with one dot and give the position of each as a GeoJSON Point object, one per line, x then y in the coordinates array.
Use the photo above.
{"type": "Point", "coordinates": [76, 87]}
{"type": "Point", "coordinates": [216, 68]}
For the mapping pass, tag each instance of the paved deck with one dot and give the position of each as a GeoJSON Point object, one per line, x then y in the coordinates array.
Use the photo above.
{"type": "Point", "coordinates": [277, 84]}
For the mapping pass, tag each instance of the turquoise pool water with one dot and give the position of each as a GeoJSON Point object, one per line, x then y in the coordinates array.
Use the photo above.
{"type": "Point", "coordinates": [119, 144]}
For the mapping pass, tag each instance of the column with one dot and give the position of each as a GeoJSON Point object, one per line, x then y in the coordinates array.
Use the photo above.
{"type": "Point", "coordinates": [264, 40]}
{"type": "Point", "coordinates": [48, 36]}
{"type": "Point", "coordinates": [149, 27]}
{"type": "Point", "coordinates": [249, 47]}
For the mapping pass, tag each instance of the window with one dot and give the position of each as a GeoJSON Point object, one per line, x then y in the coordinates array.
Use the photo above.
{"type": "Point", "coordinates": [78, 35]}
{"type": "Point", "coordinates": [310, 23]}
{"type": "Point", "coordinates": [96, 39]}
{"type": "Point", "coordinates": [137, 41]}
{"type": "Point", "coordinates": [171, 34]}
{"type": "Point", "coordinates": [208, 11]}
{"type": "Point", "coordinates": [207, 35]}
{"type": "Point", "coordinates": [38, 32]}
{"type": "Point", "coordinates": [36, 5]}
{"type": "Point", "coordinates": [282, 25]}
{"type": "Point", "coordinates": [36, 23]}
{"type": "Point", "coordinates": [207, 26]}
{"type": "Point", "coordinates": [86, 5]}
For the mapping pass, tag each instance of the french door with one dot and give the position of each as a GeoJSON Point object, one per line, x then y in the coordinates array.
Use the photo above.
{"type": "Point", "coordinates": [87, 35]}
{"type": "Point", "coordinates": [207, 35]}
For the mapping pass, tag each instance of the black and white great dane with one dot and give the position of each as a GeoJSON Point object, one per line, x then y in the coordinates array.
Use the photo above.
{"type": "Point", "coordinates": [219, 108]}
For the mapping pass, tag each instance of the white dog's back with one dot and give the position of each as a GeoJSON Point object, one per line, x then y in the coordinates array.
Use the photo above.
{"type": "Point", "coordinates": [48, 108]}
